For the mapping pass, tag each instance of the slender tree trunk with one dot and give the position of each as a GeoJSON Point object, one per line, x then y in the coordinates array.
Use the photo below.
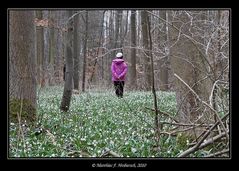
{"type": "Point", "coordinates": [133, 80]}
{"type": "Point", "coordinates": [58, 52]}
{"type": "Point", "coordinates": [76, 53]}
{"type": "Point", "coordinates": [45, 76]}
{"type": "Point", "coordinates": [66, 98]}
{"type": "Point", "coordinates": [146, 51]}
{"type": "Point", "coordinates": [52, 48]}
{"type": "Point", "coordinates": [40, 46]}
{"type": "Point", "coordinates": [22, 78]}
{"type": "Point", "coordinates": [118, 20]}
{"type": "Point", "coordinates": [98, 49]}
{"type": "Point", "coordinates": [156, 119]}
{"type": "Point", "coordinates": [124, 29]}
{"type": "Point", "coordinates": [84, 51]}
{"type": "Point", "coordinates": [164, 61]}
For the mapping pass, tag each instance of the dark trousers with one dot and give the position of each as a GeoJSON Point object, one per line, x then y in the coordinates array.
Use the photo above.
{"type": "Point", "coordinates": [119, 88]}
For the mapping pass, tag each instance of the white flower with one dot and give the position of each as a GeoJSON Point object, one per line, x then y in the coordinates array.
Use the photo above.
{"type": "Point", "coordinates": [133, 150]}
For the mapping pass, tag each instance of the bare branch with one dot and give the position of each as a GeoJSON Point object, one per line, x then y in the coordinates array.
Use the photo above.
{"type": "Point", "coordinates": [218, 153]}
{"type": "Point", "coordinates": [198, 145]}
{"type": "Point", "coordinates": [209, 106]}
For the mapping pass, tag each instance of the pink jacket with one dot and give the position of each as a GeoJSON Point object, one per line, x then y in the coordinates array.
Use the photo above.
{"type": "Point", "coordinates": [119, 69]}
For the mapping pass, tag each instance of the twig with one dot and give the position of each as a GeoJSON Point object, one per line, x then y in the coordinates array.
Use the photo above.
{"type": "Point", "coordinates": [20, 126]}
{"type": "Point", "coordinates": [177, 131]}
{"type": "Point", "coordinates": [75, 15]}
{"type": "Point", "coordinates": [224, 117]}
{"type": "Point", "coordinates": [163, 113]}
{"type": "Point", "coordinates": [218, 153]}
{"type": "Point", "coordinates": [196, 147]}
{"type": "Point", "coordinates": [206, 143]}
{"type": "Point", "coordinates": [211, 94]}
{"type": "Point", "coordinates": [212, 140]}
{"type": "Point", "coordinates": [184, 124]}
{"type": "Point", "coordinates": [210, 107]}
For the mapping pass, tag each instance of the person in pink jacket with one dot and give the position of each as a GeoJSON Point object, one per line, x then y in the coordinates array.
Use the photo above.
{"type": "Point", "coordinates": [119, 70]}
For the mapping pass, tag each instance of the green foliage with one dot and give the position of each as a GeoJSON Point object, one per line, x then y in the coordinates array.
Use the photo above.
{"type": "Point", "coordinates": [95, 121]}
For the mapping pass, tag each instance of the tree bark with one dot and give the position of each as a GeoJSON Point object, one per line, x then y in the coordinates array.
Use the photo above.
{"type": "Point", "coordinates": [146, 51]}
{"type": "Point", "coordinates": [163, 63]}
{"type": "Point", "coordinates": [76, 53]}
{"type": "Point", "coordinates": [66, 98]}
{"type": "Point", "coordinates": [40, 47]}
{"type": "Point", "coordinates": [118, 20]}
{"type": "Point", "coordinates": [52, 48]}
{"type": "Point", "coordinates": [133, 80]}
{"type": "Point", "coordinates": [84, 51]}
{"type": "Point", "coordinates": [22, 78]}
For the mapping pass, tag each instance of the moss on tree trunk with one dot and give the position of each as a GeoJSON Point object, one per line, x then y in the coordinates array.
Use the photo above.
{"type": "Point", "coordinates": [21, 109]}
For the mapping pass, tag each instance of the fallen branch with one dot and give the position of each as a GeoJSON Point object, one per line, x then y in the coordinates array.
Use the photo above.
{"type": "Point", "coordinates": [78, 154]}
{"type": "Point", "coordinates": [223, 118]}
{"type": "Point", "coordinates": [212, 140]}
{"type": "Point", "coordinates": [218, 153]}
{"type": "Point", "coordinates": [203, 145]}
{"type": "Point", "coordinates": [177, 131]}
{"type": "Point", "coordinates": [184, 124]}
{"type": "Point", "coordinates": [198, 145]}
{"type": "Point", "coordinates": [108, 151]}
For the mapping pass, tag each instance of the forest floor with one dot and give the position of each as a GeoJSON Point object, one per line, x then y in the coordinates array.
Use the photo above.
{"type": "Point", "coordinates": [98, 124]}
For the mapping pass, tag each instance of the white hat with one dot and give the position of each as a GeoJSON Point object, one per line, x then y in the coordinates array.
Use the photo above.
{"type": "Point", "coordinates": [118, 55]}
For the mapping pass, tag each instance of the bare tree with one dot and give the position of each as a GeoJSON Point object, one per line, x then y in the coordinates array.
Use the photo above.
{"type": "Point", "coordinates": [146, 51]}
{"type": "Point", "coordinates": [66, 98]}
{"type": "Point", "coordinates": [118, 21]}
{"type": "Point", "coordinates": [133, 80]}
{"type": "Point", "coordinates": [192, 64]}
{"type": "Point", "coordinates": [52, 47]}
{"type": "Point", "coordinates": [84, 52]}
{"type": "Point", "coordinates": [163, 62]}
{"type": "Point", "coordinates": [76, 52]}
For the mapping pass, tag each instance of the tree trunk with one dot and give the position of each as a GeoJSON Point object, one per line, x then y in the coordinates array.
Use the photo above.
{"type": "Point", "coordinates": [146, 51]}
{"type": "Point", "coordinates": [133, 80]}
{"type": "Point", "coordinates": [98, 48]}
{"type": "Point", "coordinates": [66, 98]}
{"type": "Point", "coordinates": [84, 52]}
{"type": "Point", "coordinates": [164, 61]}
{"type": "Point", "coordinates": [52, 48]}
{"type": "Point", "coordinates": [40, 47]}
{"type": "Point", "coordinates": [45, 74]}
{"type": "Point", "coordinates": [118, 20]}
{"type": "Point", "coordinates": [156, 118]}
{"type": "Point", "coordinates": [76, 53]}
{"type": "Point", "coordinates": [22, 78]}
{"type": "Point", "coordinates": [188, 63]}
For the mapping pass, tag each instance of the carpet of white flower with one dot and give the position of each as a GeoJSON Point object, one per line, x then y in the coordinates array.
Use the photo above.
{"type": "Point", "coordinates": [95, 123]}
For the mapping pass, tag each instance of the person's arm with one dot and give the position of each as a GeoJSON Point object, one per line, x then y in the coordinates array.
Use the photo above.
{"type": "Point", "coordinates": [113, 71]}
{"type": "Point", "coordinates": [124, 72]}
